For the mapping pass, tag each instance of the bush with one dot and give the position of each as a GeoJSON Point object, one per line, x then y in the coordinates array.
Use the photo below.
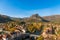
{"type": "Point", "coordinates": [40, 38]}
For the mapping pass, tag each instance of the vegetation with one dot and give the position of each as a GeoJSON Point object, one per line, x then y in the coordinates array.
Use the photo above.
{"type": "Point", "coordinates": [40, 38]}
{"type": "Point", "coordinates": [34, 24]}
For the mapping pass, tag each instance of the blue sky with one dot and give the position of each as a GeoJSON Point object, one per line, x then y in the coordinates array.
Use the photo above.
{"type": "Point", "coordinates": [25, 8]}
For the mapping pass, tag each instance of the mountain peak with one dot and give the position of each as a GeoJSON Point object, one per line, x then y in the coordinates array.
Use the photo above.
{"type": "Point", "coordinates": [37, 18]}
{"type": "Point", "coordinates": [35, 15]}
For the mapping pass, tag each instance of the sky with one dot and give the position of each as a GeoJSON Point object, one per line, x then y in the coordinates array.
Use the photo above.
{"type": "Point", "coordinates": [26, 8]}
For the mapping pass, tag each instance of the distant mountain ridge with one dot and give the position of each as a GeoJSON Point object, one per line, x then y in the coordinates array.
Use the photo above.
{"type": "Point", "coordinates": [52, 18]}
{"type": "Point", "coordinates": [4, 18]}
{"type": "Point", "coordinates": [33, 18]}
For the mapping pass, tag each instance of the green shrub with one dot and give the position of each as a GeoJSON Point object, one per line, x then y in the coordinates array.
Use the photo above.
{"type": "Point", "coordinates": [40, 38]}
